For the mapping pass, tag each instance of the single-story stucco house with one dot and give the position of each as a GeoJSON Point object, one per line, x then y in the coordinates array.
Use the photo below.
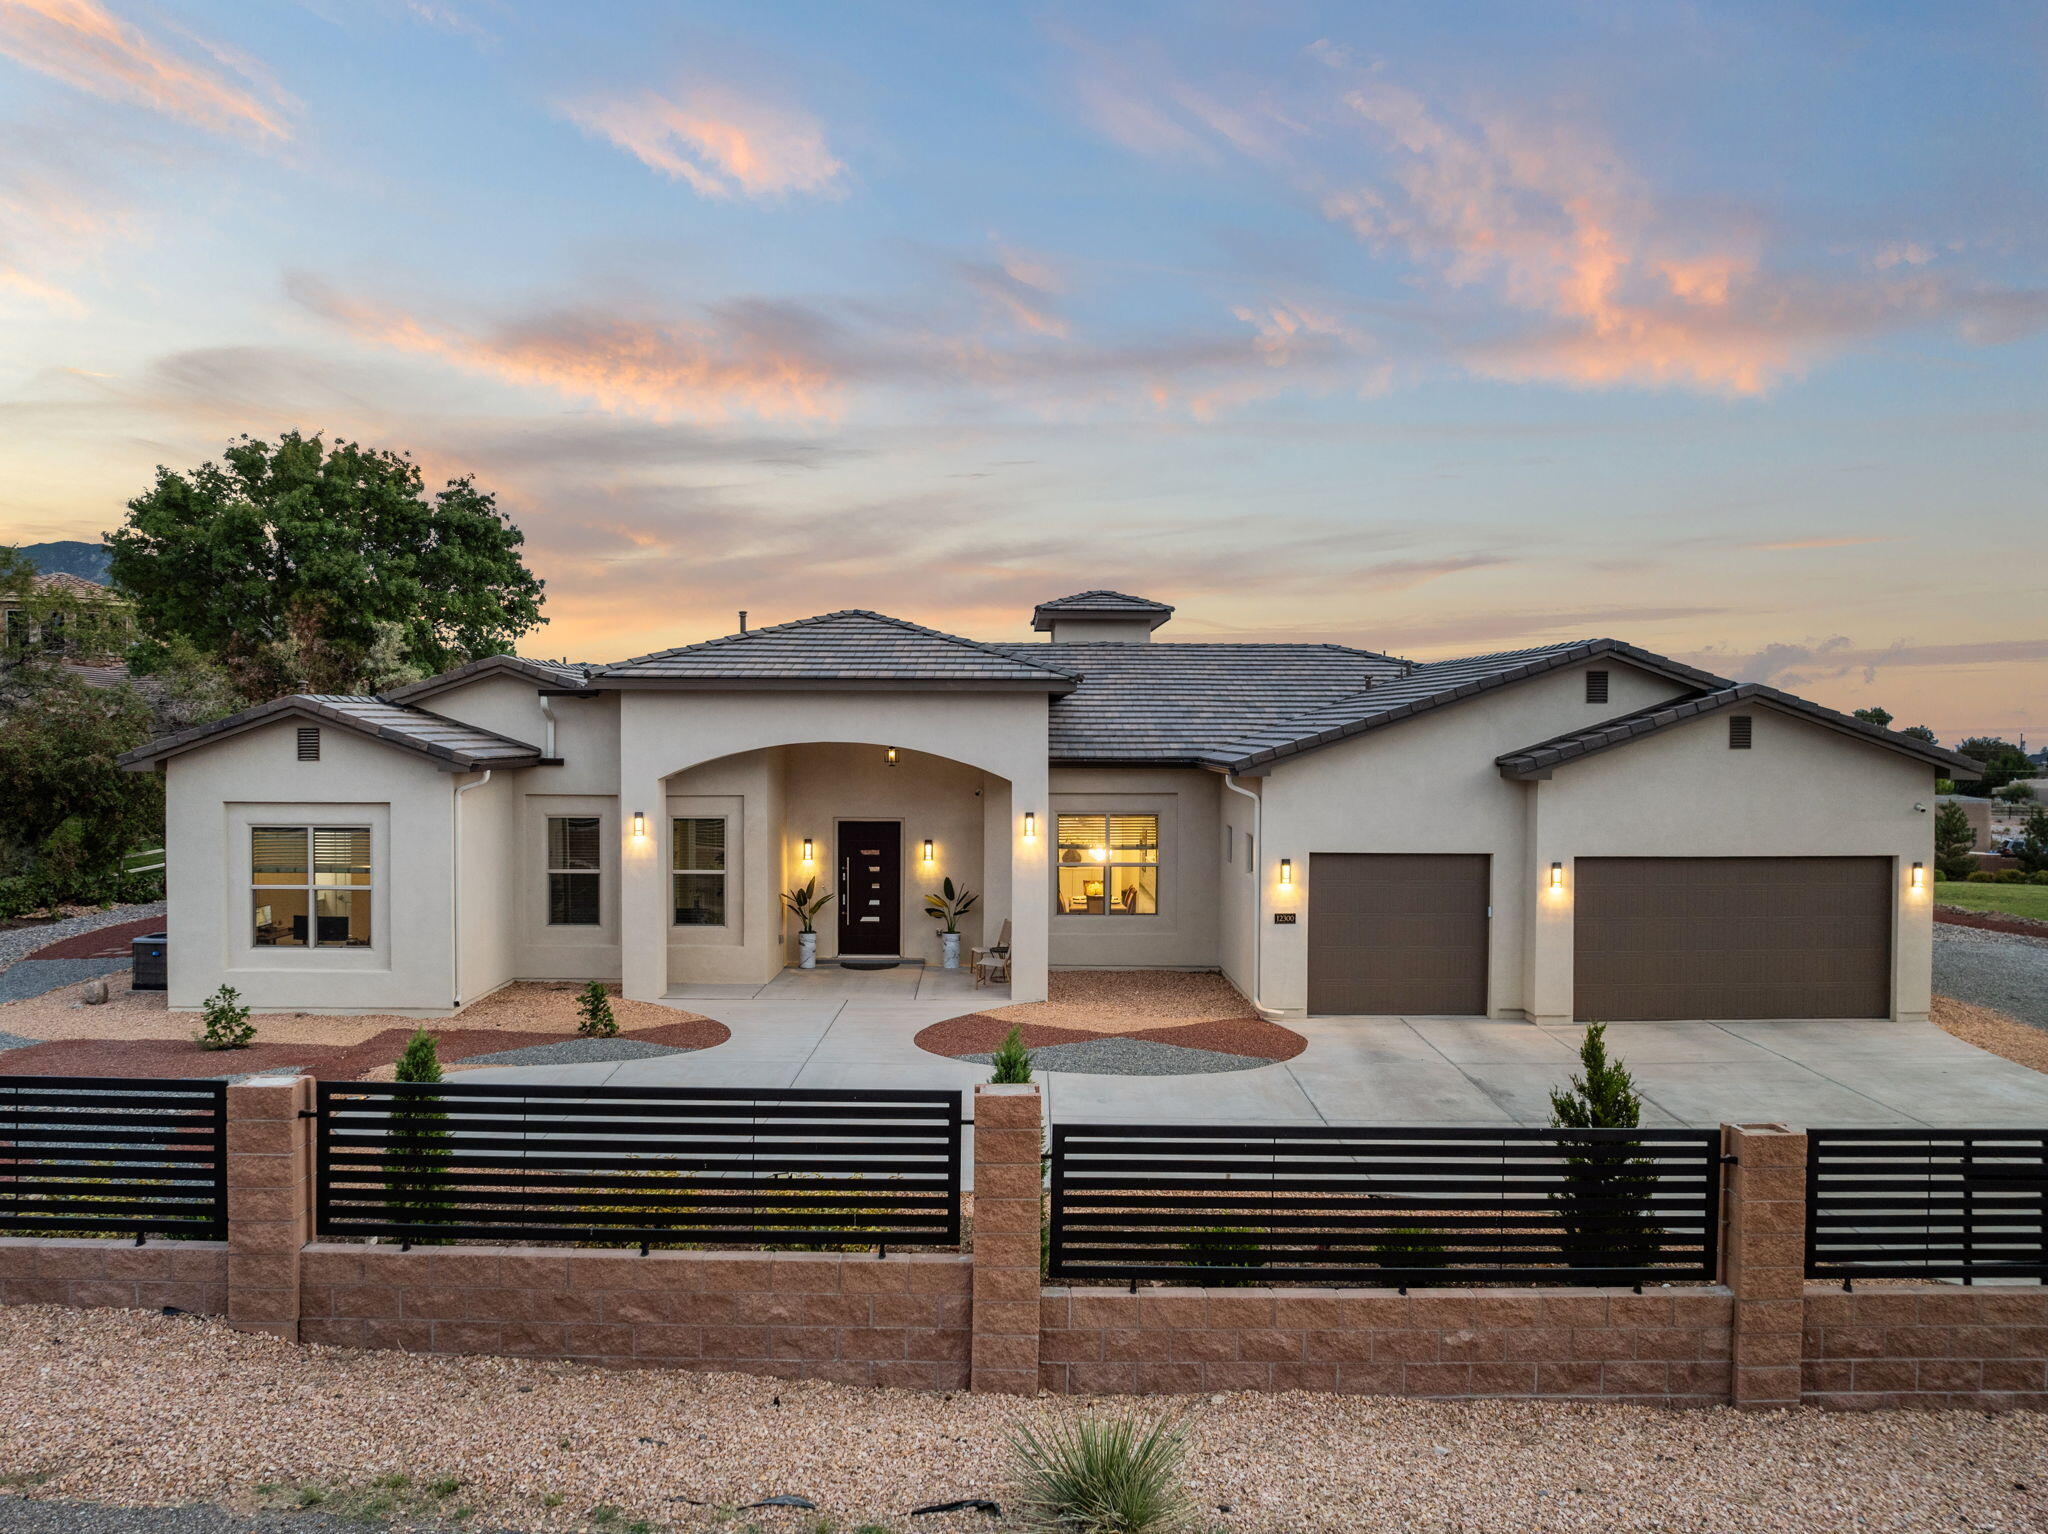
{"type": "Point", "coordinates": [1583, 830]}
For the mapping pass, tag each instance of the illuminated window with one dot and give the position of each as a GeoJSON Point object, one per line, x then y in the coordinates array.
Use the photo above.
{"type": "Point", "coordinates": [697, 856]}
{"type": "Point", "coordinates": [310, 886]}
{"type": "Point", "coordinates": [1108, 865]}
{"type": "Point", "coordinates": [573, 871]}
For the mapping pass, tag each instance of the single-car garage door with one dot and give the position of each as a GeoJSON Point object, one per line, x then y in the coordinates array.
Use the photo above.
{"type": "Point", "coordinates": [1393, 933]}
{"type": "Point", "coordinates": [1732, 937]}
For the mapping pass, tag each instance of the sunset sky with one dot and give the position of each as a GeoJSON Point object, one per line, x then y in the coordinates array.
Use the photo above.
{"type": "Point", "coordinates": [1433, 328]}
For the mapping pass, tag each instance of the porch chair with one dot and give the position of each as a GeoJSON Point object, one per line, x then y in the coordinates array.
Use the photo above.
{"type": "Point", "coordinates": [992, 964]}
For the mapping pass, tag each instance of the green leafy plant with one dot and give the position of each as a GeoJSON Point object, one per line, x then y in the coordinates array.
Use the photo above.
{"type": "Point", "coordinates": [1408, 1246]}
{"type": "Point", "coordinates": [2031, 849]}
{"type": "Point", "coordinates": [1604, 1204]}
{"type": "Point", "coordinates": [806, 903]}
{"type": "Point", "coordinates": [949, 905]}
{"type": "Point", "coordinates": [1011, 1063]}
{"type": "Point", "coordinates": [227, 1024]}
{"type": "Point", "coordinates": [594, 1012]}
{"type": "Point", "coordinates": [1226, 1246]}
{"type": "Point", "coordinates": [1102, 1476]}
{"type": "Point", "coordinates": [416, 1165]}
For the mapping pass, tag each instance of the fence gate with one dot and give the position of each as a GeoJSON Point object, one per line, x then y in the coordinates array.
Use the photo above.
{"type": "Point", "coordinates": [1927, 1203]}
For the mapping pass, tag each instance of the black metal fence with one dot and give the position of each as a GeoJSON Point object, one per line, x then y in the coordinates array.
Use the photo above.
{"type": "Point", "coordinates": [1270, 1204]}
{"type": "Point", "coordinates": [110, 1156]}
{"type": "Point", "coordinates": [1927, 1203]}
{"type": "Point", "coordinates": [639, 1166]}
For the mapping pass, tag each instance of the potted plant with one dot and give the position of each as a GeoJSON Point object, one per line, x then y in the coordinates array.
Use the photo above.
{"type": "Point", "coordinates": [949, 905]}
{"type": "Point", "coordinates": [807, 903]}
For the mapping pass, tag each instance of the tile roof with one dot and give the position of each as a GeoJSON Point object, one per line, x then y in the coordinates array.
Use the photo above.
{"type": "Point", "coordinates": [1537, 761]}
{"type": "Point", "coordinates": [1433, 685]}
{"type": "Point", "coordinates": [1188, 702]}
{"type": "Point", "coordinates": [450, 744]}
{"type": "Point", "coordinates": [854, 648]}
{"type": "Point", "coordinates": [1099, 604]}
{"type": "Point", "coordinates": [75, 585]}
{"type": "Point", "coordinates": [547, 673]}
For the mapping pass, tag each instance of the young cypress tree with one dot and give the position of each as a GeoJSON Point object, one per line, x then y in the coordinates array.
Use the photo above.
{"type": "Point", "coordinates": [416, 1173]}
{"type": "Point", "coordinates": [1604, 1204]}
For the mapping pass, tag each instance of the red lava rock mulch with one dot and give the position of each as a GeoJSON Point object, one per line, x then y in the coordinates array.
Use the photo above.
{"type": "Point", "coordinates": [2018, 926]}
{"type": "Point", "coordinates": [977, 1034]}
{"type": "Point", "coordinates": [104, 943]}
{"type": "Point", "coordinates": [168, 1058]}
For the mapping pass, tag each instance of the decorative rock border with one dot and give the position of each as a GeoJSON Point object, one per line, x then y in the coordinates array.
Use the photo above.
{"type": "Point", "coordinates": [1163, 1049]}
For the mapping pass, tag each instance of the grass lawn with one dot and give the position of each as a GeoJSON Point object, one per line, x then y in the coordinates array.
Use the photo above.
{"type": "Point", "coordinates": [2005, 899]}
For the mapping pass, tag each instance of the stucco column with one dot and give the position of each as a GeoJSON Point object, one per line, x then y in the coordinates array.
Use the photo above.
{"type": "Point", "coordinates": [1030, 876]}
{"type": "Point", "coordinates": [1547, 958]}
{"type": "Point", "coordinates": [1008, 1137]}
{"type": "Point", "coordinates": [270, 1202]}
{"type": "Point", "coordinates": [1764, 1260]}
{"type": "Point", "coordinates": [643, 876]}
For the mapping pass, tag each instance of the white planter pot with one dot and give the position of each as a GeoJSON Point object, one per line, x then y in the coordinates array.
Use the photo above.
{"type": "Point", "coordinates": [807, 950]}
{"type": "Point", "coordinates": [949, 949]}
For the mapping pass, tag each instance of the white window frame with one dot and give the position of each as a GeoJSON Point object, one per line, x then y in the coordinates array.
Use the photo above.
{"type": "Point", "coordinates": [310, 889]}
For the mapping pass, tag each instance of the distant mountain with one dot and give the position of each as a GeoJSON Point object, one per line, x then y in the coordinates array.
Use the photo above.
{"type": "Point", "coordinates": [69, 557]}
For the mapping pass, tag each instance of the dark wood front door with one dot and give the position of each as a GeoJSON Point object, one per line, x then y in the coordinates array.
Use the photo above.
{"type": "Point", "coordinates": [870, 886]}
{"type": "Point", "coordinates": [1395, 933]}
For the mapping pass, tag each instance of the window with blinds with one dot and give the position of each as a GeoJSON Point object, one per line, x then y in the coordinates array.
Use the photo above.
{"type": "Point", "coordinates": [310, 886]}
{"type": "Point", "coordinates": [574, 868]}
{"type": "Point", "coordinates": [697, 861]}
{"type": "Point", "coordinates": [1108, 865]}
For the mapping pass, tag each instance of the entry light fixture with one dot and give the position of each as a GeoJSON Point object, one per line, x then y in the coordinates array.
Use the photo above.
{"type": "Point", "coordinates": [1030, 826]}
{"type": "Point", "coordinates": [1557, 876]}
{"type": "Point", "coordinates": [889, 756]}
{"type": "Point", "coordinates": [810, 853]}
{"type": "Point", "coordinates": [1287, 870]}
{"type": "Point", "coordinates": [927, 849]}
{"type": "Point", "coordinates": [1919, 876]}
{"type": "Point", "coordinates": [639, 824]}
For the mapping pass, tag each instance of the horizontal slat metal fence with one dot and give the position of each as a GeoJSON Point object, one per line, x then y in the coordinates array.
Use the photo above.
{"type": "Point", "coordinates": [1207, 1204]}
{"type": "Point", "coordinates": [113, 1156]}
{"type": "Point", "coordinates": [1927, 1203]}
{"type": "Point", "coordinates": [646, 1166]}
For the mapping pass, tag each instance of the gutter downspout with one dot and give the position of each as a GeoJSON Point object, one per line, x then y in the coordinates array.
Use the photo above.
{"type": "Point", "coordinates": [1258, 895]}
{"type": "Point", "coordinates": [455, 932]}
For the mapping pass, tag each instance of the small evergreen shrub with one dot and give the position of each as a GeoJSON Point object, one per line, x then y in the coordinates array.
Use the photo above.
{"type": "Point", "coordinates": [1096, 1476]}
{"type": "Point", "coordinates": [1408, 1246]}
{"type": "Point", "coordinates": [594, 1012]}
{"type": "Point", "coordinates": [1982, 876]}
{"type": "Point", "coordinates": [1604, 1204]}
{"type": "Point", "coordinates": [416, 1171]}
{"type": "Point", "coordinates": [227, 1024]}
{"type": "Point", "coordinates": [1011, 1063]}
{"type": "Point", "coordinates": [1226, 1246]}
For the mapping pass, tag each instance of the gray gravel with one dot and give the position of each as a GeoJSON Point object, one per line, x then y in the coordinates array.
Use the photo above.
{"type": "Point", "coordinates": [1116, 1056]}
{"type": "Point", "coordinates": [17, 941]}
{"type": "Point", "coordinates": [33, 977]}
{"type": "Point", "coordinates": [20, 1515]}
{"type": "Point", "coordinates": [1998, 970]}
{"type": "Point", "coordinates": [16, 1041]}
{"type": "Point", "coordinates": [576, 1052]}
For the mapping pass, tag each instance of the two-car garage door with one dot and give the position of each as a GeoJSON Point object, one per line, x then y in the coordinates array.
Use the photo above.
{"type": "Point", "coordinates": [1731, 938]}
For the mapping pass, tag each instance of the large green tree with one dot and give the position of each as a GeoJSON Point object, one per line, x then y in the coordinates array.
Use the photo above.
{"type": "Point", "coordinates": [2002, 763]}
{"type": "Point", "coordinates": [327, 568]}
{"type": "Point", "coordinates": [1882, 717]}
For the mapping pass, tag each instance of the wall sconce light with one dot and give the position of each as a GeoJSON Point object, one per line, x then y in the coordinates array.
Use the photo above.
{"type": "Point", "coordinates": [1030, 826]}
{"type": "Point", "coordinates": [810, 855]}
{"type": "Point", "coordinates": [889, 756]}
{"type": "Point", "coordinates": [1919, 876]}
{"type": "Point", "coordinates": [927, 849]}
{"type": "Point", "coordinates": [1287, 870]}
{"type": "Point", "coordinates": [1557, 876]}
{"type": "Point", "coordinates": [639, 824]}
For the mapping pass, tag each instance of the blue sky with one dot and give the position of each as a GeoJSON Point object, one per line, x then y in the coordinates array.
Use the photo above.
{"type": "Point", "coordinates": [1429, 328]}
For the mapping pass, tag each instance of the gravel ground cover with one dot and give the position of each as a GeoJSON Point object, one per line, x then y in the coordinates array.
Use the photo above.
{"type": "Point", "coordinates": [19, 942]}
{"type": "Point", "coordinates": [128, 1407]}
{"type": "Point", "coordinates": [1170, 1049]}
{"type": "Point", "coordinates": [2002, 971]}
{"type": "Point", "coordinates": [20, 1515]}
{"type": "Point", "coordinates": [101, 942]}
{"type": "Point", "coordinates": [1992, 1032]}
{"type": "Point", "coordinates": [576, 1052]}
{"type": "Point", "coordinates": [1113, 1055]}
{"type": "Point", "coordinates": [1118, 1001]}
{"type": "Point", "coordinates": [34, 977]}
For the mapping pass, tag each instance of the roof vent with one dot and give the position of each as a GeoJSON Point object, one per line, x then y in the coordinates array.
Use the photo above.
{"type": "Point", "coordinates": [1740, 732]}
{"type": "Point", "coordinates": [1099, 617]}
{"type": "Point", "coordinates": [309, 743]}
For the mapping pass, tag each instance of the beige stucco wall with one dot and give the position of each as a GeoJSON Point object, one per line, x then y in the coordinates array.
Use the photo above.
{"type": "Point", "coordinates": [213, 797]}
{"type": "Point", "coordinates": [1802, 790]}
{"type": "Point", "coordinates": [1428, 785]}
{"type": "Point", "coordinates": [1185, 932]}
{"type": "Point", "coordinates": [747, 793]}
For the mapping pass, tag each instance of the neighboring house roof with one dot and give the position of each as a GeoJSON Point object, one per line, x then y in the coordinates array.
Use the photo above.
{"type": "Point", "coordinates": [71, 585]}
{"type": "Point", "coordinates": [1537, 761]}
{"type": "Point", "coordinates": [548, 673]}
{"type": "Point", "coordinates": [1099, 604]}
{"type": "Point", "coordinates": [1422, 688]}
{"type": "Point", "coordinates": [1186, 703]}
{"type": "Point", "coordinates": [854, 649]}
{"type": "Point", "coordinates": [448, 743]}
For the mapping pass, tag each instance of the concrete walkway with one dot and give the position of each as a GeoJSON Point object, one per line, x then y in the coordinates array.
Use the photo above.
{"type": "Point", "coordinates": [1388, 1071]}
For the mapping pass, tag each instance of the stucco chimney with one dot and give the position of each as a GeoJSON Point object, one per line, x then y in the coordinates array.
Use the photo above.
{"type": "Point", "coordinates": [1100, 617]}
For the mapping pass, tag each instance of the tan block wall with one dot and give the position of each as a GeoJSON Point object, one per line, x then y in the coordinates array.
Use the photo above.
{"type": "Point", "coordinates": [1926, 1346]}
{"type": "Point", "coordinates": [850, 1318]}
{"type": "Point", "coordinates": [1663, 1348]}
{"type": "Point", "coordinates": [92, 1274]}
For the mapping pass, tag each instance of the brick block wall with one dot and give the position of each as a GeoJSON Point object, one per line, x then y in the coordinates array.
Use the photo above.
{"type": "Point", "coordinates": [847, 1317]}
{"type": "Point", "coordinates": [1925, 1346]}
{"type": "Point", "coordinates": [1663, 1347]}
{"type": "Point", "coordinates": [93, 1274]}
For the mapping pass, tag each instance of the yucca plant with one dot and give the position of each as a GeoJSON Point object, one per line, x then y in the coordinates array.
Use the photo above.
{"type": "Point", "coordinates": [1102, 1476]}
{"type": "Point", "coordinates": [1011, 1063]}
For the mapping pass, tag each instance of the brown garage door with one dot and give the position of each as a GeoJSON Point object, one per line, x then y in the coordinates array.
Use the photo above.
{"type": "Point", "coordinates": [1394, 933]}
{"type": "Point", "coordinates": [1732, 937]}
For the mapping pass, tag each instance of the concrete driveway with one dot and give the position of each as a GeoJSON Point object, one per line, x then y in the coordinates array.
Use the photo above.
{"type": "Point", "coordinates": [1390, 1071]}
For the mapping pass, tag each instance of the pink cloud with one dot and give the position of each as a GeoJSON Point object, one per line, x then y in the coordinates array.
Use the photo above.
{"type": "Point", "coordinates": [716, 140]}
{"type": "Point", "coordinates": [85, 46]}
